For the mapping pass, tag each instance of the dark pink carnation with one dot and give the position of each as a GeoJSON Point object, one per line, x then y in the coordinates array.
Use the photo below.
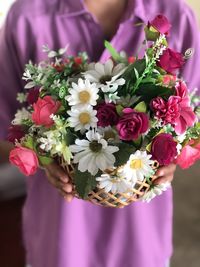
{"type": "Point", "coordinates": [33, 96]}
{"type": "Point", "coordinates": [161, 24]}
{"type": "Point", "coordinates": [167, 111]}
{"type": "Point", "coordinates": [171, 61]}
{"type": "Point", "coordinates": [132, 124]}
{"type": "Point", "coordinates": [107, 114]}
{"type": "Point", "coordinates": [163, 149]}
{"type": "Point", "coordinates": [15, 132]}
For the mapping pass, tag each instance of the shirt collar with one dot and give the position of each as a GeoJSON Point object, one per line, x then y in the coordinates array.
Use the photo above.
{"type": "Point", "coordinates": [135, 8]}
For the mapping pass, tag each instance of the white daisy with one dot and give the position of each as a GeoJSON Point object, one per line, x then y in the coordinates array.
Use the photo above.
{"type": "Point", "coordinates": [22, 114]}
{"type": "Point", "coordinates": [82, 119]}
{"type": "Point", "coordinates": [106, 76]}
{"type": "Point", "coordinates": [155, 191]}
{"type": "Point", "coordinates": [94, 153]}
{"type": "Point", "coordinates": [138, 166]}
{"type": "Point", "coordinates": [82, 94]}
{"type": "Point", "coordinates": [115, 184]}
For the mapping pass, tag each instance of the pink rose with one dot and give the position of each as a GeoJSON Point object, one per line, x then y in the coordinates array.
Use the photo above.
{"type": "Point", "coordinates": [43, 109]}
{"type": "Point", "coordinates": [163, 149]}
{"type": "Point", "coordinates": [25, 159]}
{"type": "Point", "coordinates": [170, 61]}
{"type": "Point", "coordinates": [169, 80]}
{"type": "Point", "coordinates": [107, 115]}
{"type": "Point", "coordinates": [186, 118]}
{"type": "Point", "coordinates": [167, 111]}
{"type": "Point", "coordinates": [15, 132]}
{"type": "Point", "coordinates": [132, 124]}
{"type": "Point", "coordinates": [33, 96]}
{"type": "Point", "coordinates": [161, 24]}
{"type": "Point", "coordinates": [188, 156]}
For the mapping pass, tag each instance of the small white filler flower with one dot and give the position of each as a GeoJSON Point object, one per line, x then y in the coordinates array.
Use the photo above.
{"type": "Point", "coordinates": [83, 118]}
{"type": "Point", "coordinates": [106, 76]}
{"type": "Point", "coordinates": [94, 153]}
{"type": "Point", "coordinates": [22, 114]}
{"type": "Point", "coordinates": [82, 94]}
{"type": "Point", "coordinates": [155, 191]}
{"type": "Point", "coordinates": [138, 166]}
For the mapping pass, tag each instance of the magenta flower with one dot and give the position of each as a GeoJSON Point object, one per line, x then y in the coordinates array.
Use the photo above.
{"type": "Point", "coordinates": [107, 114]}
{"type": "Point", "coordinates": [161, 24]}
{"type": "Point", "coordinates": [15, 132]}
{"type": "Point", "coordinates": [132, 124]}
{"type": "Point", "coordinates": [170, 61]}
{"type": "Point", "coordinates": [163, 149]}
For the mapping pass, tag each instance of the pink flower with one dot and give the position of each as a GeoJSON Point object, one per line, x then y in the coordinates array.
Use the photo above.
{"type": "Point", "coordinates": [33, 96]}
{"type": "Point", "coordinates": [186, 118]}
{"type": "Point", "coordinates": [163, 149]}
{"type": "Point", "coordinates": [107, 114]}
{"type": "Point", "coordinates": [167, 111]}
{"type": "Point", "coordinates": [171, 60]}
{"type": "Point", "coordinates": [188, 156]}
{"type": "Point", "coordinates": [25, 159]}
{"type": "Point", "coordinates": [169, 80]}
{"type": "Point", "coordinates": [132, 124]}
{"type": "Point", "coordinates": [43, 109]}
{"type": "Point", "coordinates": [181, 89]}
{"type": "Point", "coordinates": [161, 24]}
{"type": "Point", "coordinates": [15, 132]}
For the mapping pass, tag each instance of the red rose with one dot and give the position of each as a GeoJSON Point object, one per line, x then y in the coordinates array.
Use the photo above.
{"type": "Point", "coordinates": [43, 109]}
{"type": "Point", "coordinates": [161, 24]}
{"type": "Point", "coordinates": [163, 149]}
{"type": "Point", "coordinates": [25, 159]}
{"type": "Point", "coordinates": [15, 132]}
{"type": "Point", "coordinates": [170, 61]}
{"type": "Point", "coordinates": [33, 96]}
{"type": "Point", "coordinates": [132, 124]}
{"type": "Point", "coordinates": [107, 115]}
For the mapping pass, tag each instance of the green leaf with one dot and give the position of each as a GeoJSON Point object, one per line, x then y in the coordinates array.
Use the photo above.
{"type": "Point", "coordinates": [119, 109]}
{"type": "Point", "coordinates": [84, 182]}
{"type": "Point", "coordinates": [44, 160]}
{"type": "Point", "coordinates": [141, 107]}
{"type": "Point", "coordinates": [150, 91]}
{"type": "Point", "coordinates": [122, 156]}
{"type": "Point", "coordinates": [115, 55]}
{"type": "Point", "coordinates": [29, 143]}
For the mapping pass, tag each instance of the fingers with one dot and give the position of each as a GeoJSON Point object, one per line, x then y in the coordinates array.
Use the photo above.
{"type": "Point", "coordinates": [165, 174]}
{"type": "Point", "coordinates": [59, 179]}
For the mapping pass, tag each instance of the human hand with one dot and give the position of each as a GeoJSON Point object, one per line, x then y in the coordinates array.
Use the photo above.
{"type": "Point", "coordinates": [165, 174]}
{"type": "Point", "coordinates": [59, 179]}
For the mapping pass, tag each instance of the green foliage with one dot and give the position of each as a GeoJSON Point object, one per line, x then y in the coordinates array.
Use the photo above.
{"type": "Point", "coordinates": [115, 55]}
{"type": "Point", "coordinates": [122, 156]}
{"type": "Point", "coordinates": [141, 107]}
{"type": "Point", "coordinates": [84, 182]}
{"type": "Point", "coordinates": [44, 160]}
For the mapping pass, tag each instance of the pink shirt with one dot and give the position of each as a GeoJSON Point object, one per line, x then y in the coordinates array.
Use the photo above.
{"type": "Point", "coordinates": [58, 234]}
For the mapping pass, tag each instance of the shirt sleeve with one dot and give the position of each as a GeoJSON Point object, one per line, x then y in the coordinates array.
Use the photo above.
{"type": "Point", "coordinates": [190, 37]}
{"type": "Point", "coordinates": [14, 53]}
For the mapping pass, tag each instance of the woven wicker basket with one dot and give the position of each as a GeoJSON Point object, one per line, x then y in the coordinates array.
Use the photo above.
{"type": "Point", "coordinates": [110, 200]}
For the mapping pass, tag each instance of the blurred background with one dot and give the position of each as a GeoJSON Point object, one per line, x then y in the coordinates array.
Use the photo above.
{"type": "Point", "coordinates": [186, 204]}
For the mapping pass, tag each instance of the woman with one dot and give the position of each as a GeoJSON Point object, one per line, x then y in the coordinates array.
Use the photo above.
{"type": "Point", "coordinates": [79, 234]}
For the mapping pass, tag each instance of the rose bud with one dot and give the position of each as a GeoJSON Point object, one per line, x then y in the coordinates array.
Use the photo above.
{"type": "Point", "coordinates": [171, 61]}
{"type": "Point", "coordinates": [159, 25]}
{"type": "Point", "coordinates": [15, 133]}
{"type": "Point", "coordinates": [25, 159]}
{"type": "Point", "coordinates": [33, 96]}
{"type": "Point", "coordinates": [43, 109]}
{"type": "Point", "coordinates": [107, 115]}
{"type": "Point", "coordinates": [163, 149]}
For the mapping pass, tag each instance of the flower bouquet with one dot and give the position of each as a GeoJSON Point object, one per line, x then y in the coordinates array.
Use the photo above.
{"type": "Point", "coordinates": [112, 124]}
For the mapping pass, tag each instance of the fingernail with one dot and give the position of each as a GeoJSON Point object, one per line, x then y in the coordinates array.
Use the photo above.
{"type": "Point", "coordinates": [67, 188]}
{"type": "Point", "coordinates": [65, 179]}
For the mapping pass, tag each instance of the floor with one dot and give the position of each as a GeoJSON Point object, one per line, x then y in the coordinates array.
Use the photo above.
{"type": "Point", "coordinates": [186, 224]}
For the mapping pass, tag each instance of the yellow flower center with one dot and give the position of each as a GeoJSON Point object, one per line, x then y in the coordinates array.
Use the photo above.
{"type": "Point", "coordinates": [84, 118]}
{"type": "Point", "coordinates": [136, 164]}
{"type": "Point", "coordinates": [84, 96]}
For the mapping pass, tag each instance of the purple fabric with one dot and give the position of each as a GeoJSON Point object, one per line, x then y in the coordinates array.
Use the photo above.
{"type": "Point", "coordinates": [58, 234]}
